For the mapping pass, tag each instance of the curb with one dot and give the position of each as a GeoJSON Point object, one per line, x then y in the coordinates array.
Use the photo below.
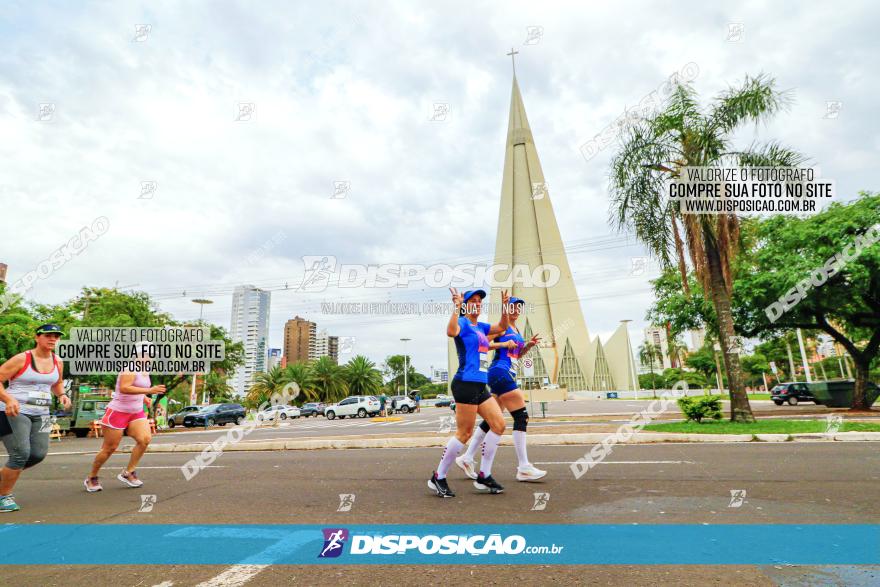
{"type": "Point", "coordinates": [585, 438]}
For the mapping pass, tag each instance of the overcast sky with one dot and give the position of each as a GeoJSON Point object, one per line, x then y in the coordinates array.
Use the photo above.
{"type": "Point", "coordinates": [346, 92]}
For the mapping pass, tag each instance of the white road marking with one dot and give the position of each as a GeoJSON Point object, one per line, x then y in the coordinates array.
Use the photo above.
{"type": "Point", "coordinates": [621, 463]}
{"type": "Point", "coordinates": [234, 576]}
{"type": "Point", "coordinates": [242, 573]}
{"type": "Point", "coordinates": [172, 467]}
{"type": "Point", "coordinates": [164, 584]}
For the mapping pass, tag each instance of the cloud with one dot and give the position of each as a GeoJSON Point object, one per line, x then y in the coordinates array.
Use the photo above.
{"type": "Point", "coordinates": [345, 92]}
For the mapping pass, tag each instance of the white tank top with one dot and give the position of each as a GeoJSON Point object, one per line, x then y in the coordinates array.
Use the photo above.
{"type": "Point", "coordinates": [31, 388]}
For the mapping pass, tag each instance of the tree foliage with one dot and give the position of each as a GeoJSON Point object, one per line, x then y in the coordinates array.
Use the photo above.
{"type": "Point", "coordinates": [795, 277]}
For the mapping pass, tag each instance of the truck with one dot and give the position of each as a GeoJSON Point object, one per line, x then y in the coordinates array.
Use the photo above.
{"type": "Point", "coordinates": [86, 405]}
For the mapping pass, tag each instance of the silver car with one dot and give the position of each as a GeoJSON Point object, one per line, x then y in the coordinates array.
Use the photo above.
{"type": "Point", "coordinates": [177, 419]}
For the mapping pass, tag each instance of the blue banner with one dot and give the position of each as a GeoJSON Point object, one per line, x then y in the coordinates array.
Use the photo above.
{"type": "Point", "coordinates": [561, 544]}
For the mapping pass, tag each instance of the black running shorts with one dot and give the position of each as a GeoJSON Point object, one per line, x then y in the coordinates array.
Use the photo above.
{"type": "Point", "coordinates": [469, 392]}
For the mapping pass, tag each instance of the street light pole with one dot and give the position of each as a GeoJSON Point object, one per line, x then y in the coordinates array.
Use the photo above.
{"type": "Point", "coordinates": [629, 357]}
{"type": "Point", "coordinates": [717, 348]}
{"type": "Point", "coordinates": [192, 393]}
{"type": "Point", "coordinates": [405, 367]}
{"type": "Point", "coordinates": [804, 356]}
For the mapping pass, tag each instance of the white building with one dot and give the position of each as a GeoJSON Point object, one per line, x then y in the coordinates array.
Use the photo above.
{"type": "Point", "coordinates": [325, 346]}
{"type": "Point", "coordinates": [250, 326]}
{"type": "Point", "coordinates": [656, 336]}
{"type": "Point", "coordinates": [528, 238]}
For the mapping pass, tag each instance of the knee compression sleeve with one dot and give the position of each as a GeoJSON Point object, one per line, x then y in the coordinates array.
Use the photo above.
{"type": "Point", "coordinates": [484, 426]}
{"type": "Point", "coordinates": [520, 419]}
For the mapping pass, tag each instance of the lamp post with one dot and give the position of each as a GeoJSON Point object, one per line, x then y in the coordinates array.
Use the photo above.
{"type": "Point", "coordinates": [804, 356]}
{"type": "Point", "coordinates": [631, 360]}
{"type": "Point", "coordinates": [649, 349]}
{"type": "Point", "coordinates": [717, 349]}
{"type": "Point", "coordinates": [201, 302]}
{"type": "Point", "coordinates": [405, 366]}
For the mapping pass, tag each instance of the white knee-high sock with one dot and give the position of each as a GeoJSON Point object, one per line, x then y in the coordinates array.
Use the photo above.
{"type": "Point", "coordinates": [489, 447]}
{"type": "Point", "coordinates": [474, 446]}
{"type": "Point", "coordinates": [453, 447]}
{"type": "Point", "coordinates": [519, 442]}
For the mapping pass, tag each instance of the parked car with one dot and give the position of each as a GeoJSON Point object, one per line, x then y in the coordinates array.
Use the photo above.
{"type": "Point", "coordinates": [443, 401]}
{"type": "Point", "coordinates": [177, 419]}
{"type": "Point", "coordinates": [403, 404]}
{"type": "Point", "coordinates": [221, 414]}
{"type": "Point", "coordinates": [312, 409]}
{"type": "Point", "coordinates": [284, 412]}
{"type": "Point", "coordinates": [356, 405]}
{"type": "Point", "coordinates": [791, 393]}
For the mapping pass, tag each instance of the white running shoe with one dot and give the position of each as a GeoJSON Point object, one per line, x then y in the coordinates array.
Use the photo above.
{"type": "Point", "coordinates": [529, 473]}
{"type": "Point", "coordinates": [466, 466]}
{"type": "Point", "coordinates": [130, 479]}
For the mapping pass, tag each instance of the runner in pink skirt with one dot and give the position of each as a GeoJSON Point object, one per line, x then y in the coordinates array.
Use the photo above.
{"type": "Point", "coordinates": [125, 413]}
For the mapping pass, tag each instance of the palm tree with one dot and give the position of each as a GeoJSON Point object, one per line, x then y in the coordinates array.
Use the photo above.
{"type": "Point", "coordinates": [218, 387]}
{"type": "Point", "coordinates": [676, 348]}
{"type": "Point", "coordinates": [362, 376]}
{"type": "Point", "coordinates": [328, 380]}
{"type": "Point", "coordinates": [648, 353]}
{"type": "Point", "coordinates": [654, 151]}
{"type": "Point", "coordinates": [265, 384]}
{"type": "Point", "coordinates": [301, 374]}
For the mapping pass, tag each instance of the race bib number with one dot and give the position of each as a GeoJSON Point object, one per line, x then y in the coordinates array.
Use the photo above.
{"type": "Point", "coordinates": [484, 362]}
{"type": "Point", "coordinates": [39, 398]}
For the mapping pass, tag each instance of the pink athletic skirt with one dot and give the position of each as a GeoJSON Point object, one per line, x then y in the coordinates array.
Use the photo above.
{"type": "Point", "coordinates": [120, 420]}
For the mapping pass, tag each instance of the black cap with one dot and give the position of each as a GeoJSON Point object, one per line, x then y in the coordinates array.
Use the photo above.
{"type": "Point", "coordinates": [50, 329]}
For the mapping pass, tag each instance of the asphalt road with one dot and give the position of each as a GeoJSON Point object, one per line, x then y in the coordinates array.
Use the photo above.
{"type": "Point", "coordinates": [590, 413]}
{"type": "Point", "coordinates": [645, 484]}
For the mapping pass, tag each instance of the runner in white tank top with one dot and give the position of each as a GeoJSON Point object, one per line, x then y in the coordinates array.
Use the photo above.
{"type": "Point", "coordinates": [33, 376]}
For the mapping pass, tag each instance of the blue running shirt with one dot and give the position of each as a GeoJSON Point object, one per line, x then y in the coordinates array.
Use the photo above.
{"type": "Point", "coordinates": [472, 346]}
{"type": "Point", "coordinates": [509, 358]}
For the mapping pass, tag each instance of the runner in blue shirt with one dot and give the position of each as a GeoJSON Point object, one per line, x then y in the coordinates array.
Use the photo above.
{"type": "Point", "coordinates": [509, 347]}
{"type": "Point", "coordinates": [471, 339]}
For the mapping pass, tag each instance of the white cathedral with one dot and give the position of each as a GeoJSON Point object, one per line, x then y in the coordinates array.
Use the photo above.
{"type": "Point", "coordinates": [529, 235]}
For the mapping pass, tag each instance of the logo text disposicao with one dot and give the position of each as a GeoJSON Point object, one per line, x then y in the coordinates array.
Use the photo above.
{"type": "Point", "coordinates": [474, 545]}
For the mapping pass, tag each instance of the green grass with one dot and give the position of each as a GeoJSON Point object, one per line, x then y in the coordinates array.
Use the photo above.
{"type": "Point", "coordinates": [647, 394]}
{"type": "Point", "coordinates": [760, 427]}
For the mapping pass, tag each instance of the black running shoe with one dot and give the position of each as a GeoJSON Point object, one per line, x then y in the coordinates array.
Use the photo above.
{"type": "Point", "coordinates": [440, 486]}
{"type": "Point", "coordinates": [489, 484]}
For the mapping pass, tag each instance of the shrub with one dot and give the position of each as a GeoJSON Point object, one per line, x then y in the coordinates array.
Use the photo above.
{"type": "Point", "coordinates": [700, 407]}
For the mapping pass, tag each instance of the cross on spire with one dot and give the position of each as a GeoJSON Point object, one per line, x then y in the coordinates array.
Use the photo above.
{"type": "Point", "coordinates": [512, 54]}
